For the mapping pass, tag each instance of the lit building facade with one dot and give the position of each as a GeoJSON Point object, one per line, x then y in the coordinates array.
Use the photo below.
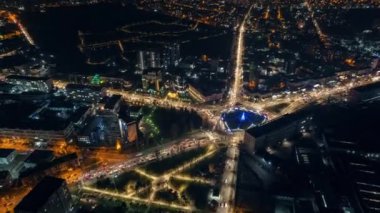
{"type": "Point", "coordinates": [148, 59]}
{"type": "Point", "coordinates": [152, 77]}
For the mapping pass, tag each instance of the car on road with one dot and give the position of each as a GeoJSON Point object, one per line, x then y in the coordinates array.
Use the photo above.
{"type": "Point", "coordinates": [224, 204]}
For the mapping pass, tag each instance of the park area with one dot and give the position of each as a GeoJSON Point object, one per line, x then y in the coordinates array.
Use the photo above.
{"type": "Point", "coordinates": [177, 184]}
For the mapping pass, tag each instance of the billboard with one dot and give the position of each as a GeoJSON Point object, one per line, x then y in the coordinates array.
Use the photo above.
{"type": "Point", "coordinates": [132, 131]}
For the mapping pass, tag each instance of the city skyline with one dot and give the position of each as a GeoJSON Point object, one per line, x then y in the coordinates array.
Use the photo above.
{"type": "Point", "coordinates": [189, 106]}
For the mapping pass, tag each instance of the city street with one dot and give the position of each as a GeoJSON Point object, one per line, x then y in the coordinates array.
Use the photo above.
{"type": "Point", "coordinates": [155, 153]}
{"type": "Point", "coordinates": [271, 69]}
{"type": "Point", "coordinates": [294, 101]}
{"type": "Point", "coordinates": [227, 191]}
{"type": "Point", "coordinates": [228, 185]}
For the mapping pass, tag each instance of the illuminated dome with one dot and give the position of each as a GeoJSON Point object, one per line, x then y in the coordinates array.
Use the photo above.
{"type": "Point", "coordinates": [240, 118]}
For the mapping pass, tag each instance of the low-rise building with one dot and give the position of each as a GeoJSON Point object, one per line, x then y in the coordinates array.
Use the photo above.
{"type": "Point", "coordinates": [7, 156]}
{"type": "Point", "coordinates": [12, 162]}
{"type": "Point", "coordinates": [27, 121]}
{"type": "Point", "coordinates": [103, 129]}
{"type": "Point", "coordinates": [28, 83]}
{"type": "Point", "coordinates": [85, 93]}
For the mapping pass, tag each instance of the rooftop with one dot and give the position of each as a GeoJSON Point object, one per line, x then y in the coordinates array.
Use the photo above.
{"type": "Point", "coordinates": [103, 122]}
{"type": "Point", "coordinates": [4, 174]}
{"type": "Point", "coordinates": [283, 121]}
{"type": "Point", "coordinates": [208, 87]}
{"type": "Point", "coordinates": [40, 156]}
{"type": "Point", "coordinates": [42, 167]}
{"type": "Point", "coordinates": [12, 61]}
{"type": "Point", "coordinates": [36, 198]}
{"type": "Point", "coordinates": [36, 116]}
{"type": "Point", "coordinates": [6, 152]}
{"type": "Point", "coordinates": [367, 88]}
{"type": "Point", "coordinates": [110, 103]}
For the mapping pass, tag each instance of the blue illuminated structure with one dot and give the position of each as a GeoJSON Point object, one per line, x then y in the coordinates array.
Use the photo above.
{"type": "Point", "coordinates": [239, 118]}
{"type": "Point", "coordinates": [242, 118]}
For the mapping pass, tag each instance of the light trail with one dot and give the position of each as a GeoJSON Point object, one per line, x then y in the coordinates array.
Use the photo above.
{"type": "Point", "coordinates": [238, 71]}
{"type": "Point", "coordinates": [229, 175]}
{"type": "Point", "coordinates": [129, 165]}
{"type": "Point", "coordinates": [296, 101]}
{"type": "Point", "coordinates": [228, 190]}
{"type": "Point", "coordinates": [185, 166]}
{"type": "Point", "coordinates": [160, 182]}
{"type": "Point", "coordinates": [145, 174]}
{"type": "Point", "coordinates": [137, 199]}
{"type": "Point", "coordinates": [322, 36]}
{"type": "Point", "coordinates": [193, 179]}
{"type": "Point", "coordinates": [233, 99]}
{"type": "Point", "coordinates": [14, 19]}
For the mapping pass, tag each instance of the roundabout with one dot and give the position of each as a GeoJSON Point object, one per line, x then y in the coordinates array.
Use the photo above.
{"type": "Point", "coordinates": [240, 118]}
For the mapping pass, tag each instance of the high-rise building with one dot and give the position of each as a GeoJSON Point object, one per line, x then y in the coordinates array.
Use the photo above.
{"type": "Point", "coordinates": [171, 55]}
{"type": "Point", "coordinates": [49, 195]}
{"type": "Point", "coordinates": [148, 59]}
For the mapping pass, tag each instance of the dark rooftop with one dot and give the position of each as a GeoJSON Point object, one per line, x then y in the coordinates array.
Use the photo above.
{"type": "Point", "coordinates": [5, 87]}
{"type": "Point", "coordinates": [208, 87]}
{"type": "Point", "coordinates": [304, 206]}
{"type": "Point", "coordinates": [369, 87]}
{"type": "Point", "coordinates": [5, 152]}
{"type": "Point", "coordinates": [36, 198]}
{"type": "Point", "coordinates": [216, 191]}
{"type": "Point", "coordinates": [40, 156]}
{"type": "Point", "coordinates": [285, 120]}
{"type": "Point", "coordinates": [4, 174]}
{"type": "Point", "coordinates": [12, 61]}
{"type": "Point", "coordinates": [42, 167]}
{"type": "Point", "coordinates": [110, 103]}
{"type": "Point", "coordinates": [35, 116]}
